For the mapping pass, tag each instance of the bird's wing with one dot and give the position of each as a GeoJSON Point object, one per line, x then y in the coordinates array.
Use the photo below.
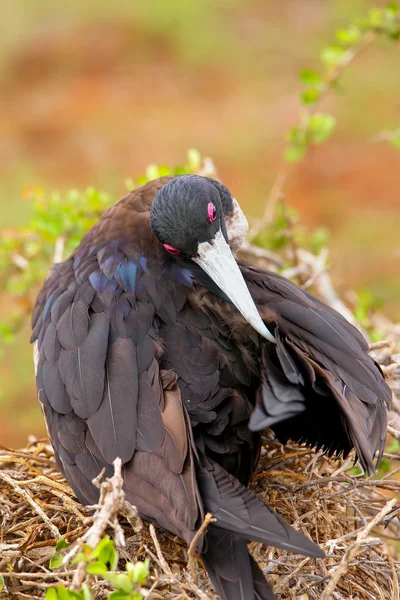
{"type": "Point", "coordinates": [215, 387]}
{"type": "Point", "coordinates": [101, 389]}
{"type": "Point", "coordinates": [319, 384]}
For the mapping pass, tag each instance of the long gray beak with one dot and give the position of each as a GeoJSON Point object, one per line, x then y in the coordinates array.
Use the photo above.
{"type": "Point", "coordinates": [217, 260]}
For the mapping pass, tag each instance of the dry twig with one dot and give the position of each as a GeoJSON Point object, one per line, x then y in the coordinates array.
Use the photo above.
{"type": "Point", "coordinates": [111, 501]}
{"type": "Point", "coordinates": [193, 544]}
{"type": "Point", "coordinates": [354, 548]}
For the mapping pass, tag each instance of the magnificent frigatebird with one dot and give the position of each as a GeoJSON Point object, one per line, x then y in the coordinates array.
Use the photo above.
{"type": "Point", "coordinates": [158, 346]}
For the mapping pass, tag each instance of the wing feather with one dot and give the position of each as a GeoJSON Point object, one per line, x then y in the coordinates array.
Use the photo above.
{"type": "Point", "coordinates": [102, 393]}
{"type": "Point", "coordinates": [343, 398]}
{"type": "Point", "coordinates": [113, 426]}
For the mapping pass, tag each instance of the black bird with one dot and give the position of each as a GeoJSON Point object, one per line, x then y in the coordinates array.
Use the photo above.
{"type": "Point", "coordinates": [157, 345]}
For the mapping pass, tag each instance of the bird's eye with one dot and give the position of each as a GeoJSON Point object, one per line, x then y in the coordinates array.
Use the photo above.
{"type": "Point", "coordinates": [171, 249]}
{"type": "Point", "coordinates": [212, 212]}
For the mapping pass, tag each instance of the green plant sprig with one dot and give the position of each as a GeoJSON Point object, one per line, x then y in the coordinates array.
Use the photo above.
{"type": "Point", "coordinates": [316, 128]}
{"type": "Point", "coordinates": [58, 224]}
{"type": "Point", "coordinates": [102, 562]}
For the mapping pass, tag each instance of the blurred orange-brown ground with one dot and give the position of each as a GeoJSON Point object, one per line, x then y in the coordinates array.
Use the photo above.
{"type": "Point", "coordinates": [92, 92]}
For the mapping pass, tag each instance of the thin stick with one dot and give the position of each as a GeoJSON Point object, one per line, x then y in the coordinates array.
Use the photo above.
{"type": "Point", "coordinates": [192, 547]}
{"type": "Point", "coordinates": [354, 548]}
{"type": "Point", "coordinates": [21, 492]}
{"type": "Point", "coordinates": [59, 249]}
{"type": "Point", "coordinates": [112, 498]}
{"type": "Point", "coordinates": [273, 197]}
{"type": "Point", "coordinates": [394, 432]}
{"type": "Point", "coordinates": [163, 563]}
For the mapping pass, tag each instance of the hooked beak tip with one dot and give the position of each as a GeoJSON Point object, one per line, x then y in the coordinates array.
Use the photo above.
{"type": "Point", "coordinates": [217, 260]}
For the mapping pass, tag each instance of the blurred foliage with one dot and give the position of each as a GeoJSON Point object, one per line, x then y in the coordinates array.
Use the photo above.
{"type": "Point", "coordinates": [286, 228]}
{"type": "Point", "coordinates": [103, 562]}
{"type": "Point", "coordinates": [58, 223]}
{"type": "Point", "coordinates": [26, 253]}
{"type": "Point", "coordinates": [316, 128]}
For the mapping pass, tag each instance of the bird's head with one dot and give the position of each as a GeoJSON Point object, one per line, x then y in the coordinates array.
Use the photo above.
{"type": "Point", "coordinates": [196, 218]}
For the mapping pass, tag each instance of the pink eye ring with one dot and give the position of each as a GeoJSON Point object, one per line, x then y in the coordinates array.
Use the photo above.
{"type": "Point", "coordinates": [212, 212]}
{"type": "Point", "coordinates": [171, 249]}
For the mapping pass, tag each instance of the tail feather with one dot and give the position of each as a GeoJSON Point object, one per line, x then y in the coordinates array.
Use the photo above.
{"type": "Point", "coordinates": [238, 510]}
{"type": "Point", "coordinates": [234, 573]}
{"type": "Point", "coordinates": [262, 591]}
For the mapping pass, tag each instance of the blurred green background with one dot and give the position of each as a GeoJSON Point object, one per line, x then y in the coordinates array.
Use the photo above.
{"type": "Point", "coordinates": [91, 92]}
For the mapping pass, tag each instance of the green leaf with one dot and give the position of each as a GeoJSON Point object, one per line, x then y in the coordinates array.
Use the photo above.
{"type": "Point", "coordinates": [294, 153]}
{"type": "Point", "coordinates": [310, 96]}
{"type": "Point", "coordinates": [121, 582]}
{"type": "Point", "coordinates": [97, 568]}
{"type": "Point", "coordinates": [87, 594]}
{"type": "Point", "coordinates": [332, 55]}
{"type": "Point", "coordinates": [320, 127]}
{"type": "Point", "coordinates": [61, 544]}
{"type": "Point", "coordinates": [319, 239]}
{"type": "Point", "coordinates": [391, 10]}
{"type": "Point", "coordinates": [113, 558]}
{"type": "Point", "coordinates": [79, 557]}
{"type": "Point", "coordinates": [102, 550]}
{"type": "Point", "coordinates": [310, 76]}
{"type": "Point", "coordinates": [7, 335]}
{"type": "Point", "coordinates": [296, 136]}
{"type": "Point", "coordinates": [55, 562]}
{"type": "Point", "coordinates": [142, 180]}
{"type": "Point", "coordinates": [152, 172]}
{"type": "Point", "coordinates": [375, 334]}
{"type": "Point", "coordinates": [393, 6]}
{"type": "Point", "coordinates": [349, 36]}
{"type": "Point", "coordinates": [51, 594]}
{"type": "Point", "coordinates": [2, 583]}
{"type": "Point", "coordinates": [394, 446]}
{"type": "Point", "coordinates": [75, 595]}
{"type": "Point", "coordinates": [194, 160]}
{"type": "Point", "coordinates": [139, 571]}
{"type": "Point", "coordinates": [106, 553]}
{"type": "Point", "coordinates": [63, 593]}
{"type": "Point", "coordinates": [129, 183]}
{"type": "Point", "coordinates": [119, 596]}
{"type": "Point", "coordinates": [179, 170]}
{"type": "Point", "coordinates": [395, 141]}
{"type": "Point", "coordinates": [354, 471]}
{"type": "Point", "coordinates": [375, 17]}
{"type": "Point", "coordinates": [163, 170]}
{"type": "Point", "coordinates": [384, 468]}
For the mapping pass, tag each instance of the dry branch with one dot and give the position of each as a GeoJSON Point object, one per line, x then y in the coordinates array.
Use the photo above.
{"type": "Point", "coordinates": [354, 549]}
{"type": "Point", "coordinates": [193, 544]}
{"type": "Point", "coordinates": [111, 503]}
{"type": "Point", "coordinates": [314, 267]}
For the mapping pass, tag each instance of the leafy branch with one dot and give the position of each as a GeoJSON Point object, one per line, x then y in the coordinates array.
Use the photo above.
{"type": "Point", "coordinates": [315, 128]}
{"type": "Point", "coordinates": [102, 561]}
{"type": "Point", "coordinates": [58, 224]}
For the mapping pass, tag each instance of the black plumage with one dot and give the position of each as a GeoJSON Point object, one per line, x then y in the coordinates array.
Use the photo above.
{"type": "Point", "coordinates": [143, 354]}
